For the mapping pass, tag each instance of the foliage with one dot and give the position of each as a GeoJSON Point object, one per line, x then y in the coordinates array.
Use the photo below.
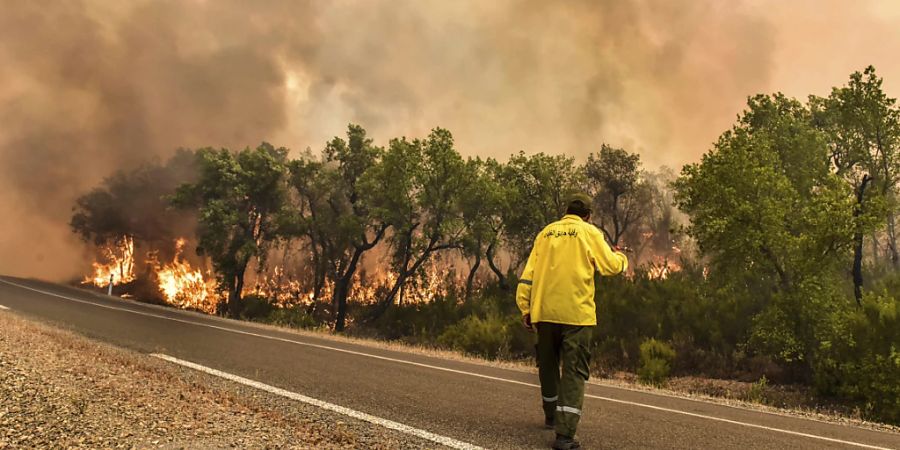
{"type": "Point", "coordinates": [255, 307]}
{"type": "Point", "coordinates": [132, 204]}
{"type": "Point", "coordinates": [238, 196]}
{"type": "Point", "coordinates": [860, 358]}
{"type": "Point", "coordinates": [537, 186]}
{"type": "Point", "coordinates": [478, 336]}
{"type": "Point", "coordinates": [418, 188]}
{"type": "Point", "coordinates": [622, 197]}
{"type": "Point", "coordinates": [757, 393]}
{"type": "Point", "coordinates": [335, 213]}
{"type": "Point", "coordinates": [293, 316]}
{"type": "Point", "coordinates": [656, 362]}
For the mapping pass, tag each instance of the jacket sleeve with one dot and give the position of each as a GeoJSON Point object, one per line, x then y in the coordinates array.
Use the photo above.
{"type": "Point", "coordinates": [523, 291]}
{"type": "Point", "coordinates": [606, 261]}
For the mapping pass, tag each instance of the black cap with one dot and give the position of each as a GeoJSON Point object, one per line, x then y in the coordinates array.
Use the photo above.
{"type": "Point", "coordinates": [578, 203]}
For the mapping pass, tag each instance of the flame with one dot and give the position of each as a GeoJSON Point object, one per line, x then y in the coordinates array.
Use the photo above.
{"type": "Point", "coordinates": [661, 267]}
{"type": "Point", "coordinates": [364, 288]}
{"type": "Point", "coordinates": [186, 287]}
{"type": "Point", "coordinates": [119, 268]}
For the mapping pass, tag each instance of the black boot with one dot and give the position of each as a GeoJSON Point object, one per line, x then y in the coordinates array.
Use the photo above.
{"type": "Point", "coordinates": [565, 443]}
{"type": "Point", "coordinates": [549, 423]}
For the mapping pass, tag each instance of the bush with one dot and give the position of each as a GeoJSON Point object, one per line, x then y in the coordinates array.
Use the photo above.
{"type": "Point", "coordinates": [255, 307]}
{"type": "Point", "coordinates": [487, 337]}
{"type": "Point", "coordinates": [757, 393]}
{"type": "Point", "coordinates": [293, 316]}
{"type": "Point", "coordinates": [656, 362]}
{"type": "Point", "coordinates": [861, 359]}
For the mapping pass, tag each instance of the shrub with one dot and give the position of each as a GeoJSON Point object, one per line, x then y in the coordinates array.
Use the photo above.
{"type": "Point", "coordinates": [656, 362]}
{"type": "Point", "coordinates": [256, 307]}
{"type": "Point", "coordinates": [293, 316]}
{"type": "Point", "coordinates": [757, 392]}
{"type": "Point", "coordinates": [486, 337]}
{"type": "Point", "coordinates": [861, 359]}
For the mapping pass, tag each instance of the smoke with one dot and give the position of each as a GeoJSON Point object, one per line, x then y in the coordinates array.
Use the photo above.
{"type": "Point", "coordinates": [89, 87]}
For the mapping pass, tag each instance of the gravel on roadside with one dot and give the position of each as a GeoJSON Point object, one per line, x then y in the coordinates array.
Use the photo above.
{"type": "Point", "coordinates": [62, 390]}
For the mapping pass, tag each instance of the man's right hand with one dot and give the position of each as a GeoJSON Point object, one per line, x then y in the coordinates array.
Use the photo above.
{"type": "Point", "coordinates": [526, 322]}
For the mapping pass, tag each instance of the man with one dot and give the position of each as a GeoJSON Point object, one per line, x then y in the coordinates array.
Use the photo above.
{"type": "Point", "coordinates": [556, 297]}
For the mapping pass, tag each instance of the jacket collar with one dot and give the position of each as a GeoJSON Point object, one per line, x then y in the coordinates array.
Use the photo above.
{"type": "Point", "coordinates": [572, 217]}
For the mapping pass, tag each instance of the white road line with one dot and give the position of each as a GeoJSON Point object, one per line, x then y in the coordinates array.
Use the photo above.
{"type": "Point", "coordinates": [3, 308]}
{"type": "Point", "coordinates": [461, 372]}
{"type": "Point", "coordinates": [443, 440]}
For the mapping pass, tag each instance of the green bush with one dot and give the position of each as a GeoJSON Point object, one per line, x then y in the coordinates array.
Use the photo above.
{"type": "Point", "coordinates": [860, 360]}
{"type": "Point", "coordinates": [486, 337]}
{"type": "Point", "coordinates": [293, 316]}
{"type": "Point", "coordinates": [656, 362]}
{"type": "Point", "coordinates": [757, 392]}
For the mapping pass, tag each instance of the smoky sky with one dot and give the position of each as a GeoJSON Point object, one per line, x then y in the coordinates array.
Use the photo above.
{"type": "Point", "coordinates": [89, 87]}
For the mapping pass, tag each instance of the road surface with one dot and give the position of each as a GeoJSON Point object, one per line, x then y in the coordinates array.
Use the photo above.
{"type": "Point", "coordinates": [462, 403]}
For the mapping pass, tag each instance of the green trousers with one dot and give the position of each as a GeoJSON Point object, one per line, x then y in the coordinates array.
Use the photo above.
{"type": "Point", "coordinates": [563, 395]}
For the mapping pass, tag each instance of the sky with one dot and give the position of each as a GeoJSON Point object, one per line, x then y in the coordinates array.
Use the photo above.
{"type": "Point", "coordinates": [88, 87]}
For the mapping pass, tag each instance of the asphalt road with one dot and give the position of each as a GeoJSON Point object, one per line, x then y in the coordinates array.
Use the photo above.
{"type": "Point", "coordinates": [485, 406]}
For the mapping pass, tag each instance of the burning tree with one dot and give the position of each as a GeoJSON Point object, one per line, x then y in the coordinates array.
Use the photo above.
{"type": "Point", "coordinates": [336, 214]}
{"type": "Point", "coordinates": [132, 203]}
{"type": "Point", "coordinates": [119, 266]}
{"type": "Point", "coordinates": [418, 188]}
{"type": "Point", "coordinates": [238, 197]}
{"type": "Point", "coordinates": [184, 286]}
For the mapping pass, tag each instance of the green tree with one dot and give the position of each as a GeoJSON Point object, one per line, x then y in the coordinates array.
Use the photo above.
{"type": "Point", "coordinates": [537, 187]}
{"type": "Point", "coordinates": [418, 191]}
{"type": "Point", "coordinates": [238, 197]}
{"type": "Point", "coordinates": [339, 220]}
{"type": "Point", "coordinates": [774, 221]}
{"type": "Point", "coordinates": [863, 126]}
{"type": "Point", "coordinates": [622, 197]}
{"type": "Point", "coordinates": [482, 207]}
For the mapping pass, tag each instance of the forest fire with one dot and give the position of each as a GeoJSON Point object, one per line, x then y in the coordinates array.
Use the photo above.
{"type": "Point", "coordinates": [119, 268]}
{"type": "Point", "coordinates": [186, 287]}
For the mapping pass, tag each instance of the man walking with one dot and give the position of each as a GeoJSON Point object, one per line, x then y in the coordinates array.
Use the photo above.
{"type": "Point", "coordinates": [556, 297]}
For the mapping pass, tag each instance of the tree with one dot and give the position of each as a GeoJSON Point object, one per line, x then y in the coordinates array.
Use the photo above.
{"type": "Point", "coordinates": [133, 204]}
{"type": "Point", "coordinates": [340, 224]}
{"type": "Point", "coordinates": [622, 198]}
{"type": "Point", "coordinates": [774, 221]}
{"type": "Point", "coordinates": [417, 189]}
{"type": "Point", "coordinates": [238, 197]}
{"type": "Point", "coordinates": [536, 188]}
{"type": "Point", "coordinates": [863, 125]}
{"type": "Point", "coordinates": [482, 213]}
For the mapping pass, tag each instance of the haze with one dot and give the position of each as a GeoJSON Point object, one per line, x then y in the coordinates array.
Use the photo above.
{"type": "Point", "coordinates": [90, 87]}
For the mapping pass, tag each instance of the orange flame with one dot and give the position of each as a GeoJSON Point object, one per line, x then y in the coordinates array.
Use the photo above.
{"type": "Point", "coordinates": [119, 268]}
{"type": "Point", "coordinates": [186, 287]}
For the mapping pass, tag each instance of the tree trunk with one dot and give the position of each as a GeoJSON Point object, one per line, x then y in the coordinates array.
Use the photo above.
{"type": "Point", "coordinates": [383, 306]}
{"type": "Point", "coordinates": [342, 290]}
{"type": "Point", "coordinates": [234, 295]}
{"type": "Point", "coordinates": [858, 241]}
{"type": "Point", "coordinates": [501, 279]}
{"type": "Point", "coordinates": [892, 240]}
{"type": "Point", "coordinates": [470, 280]}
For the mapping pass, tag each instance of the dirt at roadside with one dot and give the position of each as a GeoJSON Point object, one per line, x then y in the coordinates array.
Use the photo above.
{"type": "Point", "coordinates": [59, 389]}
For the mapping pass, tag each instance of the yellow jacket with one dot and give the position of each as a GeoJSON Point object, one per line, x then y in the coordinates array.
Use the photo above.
{"type": "Point", "coordinates": [557, 284]}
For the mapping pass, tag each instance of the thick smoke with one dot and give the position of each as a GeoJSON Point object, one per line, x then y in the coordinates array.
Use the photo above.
{"type": "Point", "coordinates": [88, 87]}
